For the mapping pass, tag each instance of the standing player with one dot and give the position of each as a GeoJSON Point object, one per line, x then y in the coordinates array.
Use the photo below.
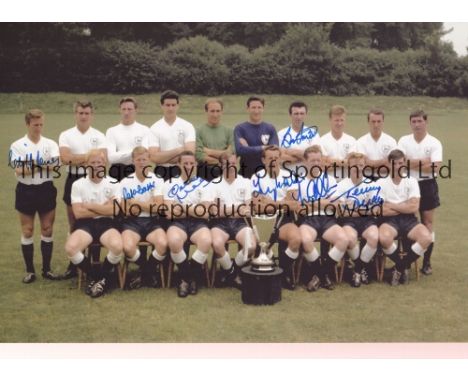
{"type": "Point", "coordinates": [376, 145]}
{"type": "Point", "coordinates": [213, 140]}
{"type": "Point", "coordinates": [336, 144]}
{"type": "Point", "coordinates": [171, 136]}
{"type": "Point", "coordinates": [357, 195]}
{"type": "Point", "coordinates": [425, 154]}
{"type": "Point", "coordinates": [251, 137]}
{"type": "Point", "coordinates": [123, 138]}
{"type": "Point", "coordinates": [314, 193]}
{"type": "Point", "coordinates": [401, 202]}
{"type": "Point", "coordinates": [93, 206]}
{"type": "Point", "coordinates": [234, 193]}
{"type": "Point", "coordinates": [184, 195]}
{"type": "Point", "coordinates": [295, 138]}
{"type": "Point", "coordinates": [140, 195]}
{"type": "Point", "coordinates": [35, 159]}
{"type": "Point", "coordinates": [270, 188]}
{"type": "Point", "coordinates": [74, 143]}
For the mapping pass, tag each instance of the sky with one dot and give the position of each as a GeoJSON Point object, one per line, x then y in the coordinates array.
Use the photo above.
{"type": "Point", "coordinates": [459, 37]}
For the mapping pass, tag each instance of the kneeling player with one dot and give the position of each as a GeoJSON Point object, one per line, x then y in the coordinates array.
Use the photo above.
{"type": "Point", "coordinates": [186, 197]}
{"type": "Point", "coordinates": [357, 195]}
{"type": "Point", "coordinates": [270, 187]}
{"type": "Point", "coordinates": [92, 200]}
{"type": "Point", "coordinates": [141, 193]}
{"type": "Point", "coordinates": [401, 201]}
{"type": "Point", "coordinates": [234, 193]}
{"type": "Point", "coordinates": [314, 194]}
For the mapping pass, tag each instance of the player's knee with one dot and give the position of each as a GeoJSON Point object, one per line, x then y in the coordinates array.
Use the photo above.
{"type": "Point", "coordinates": [46, 231]}
{"type": "Point", "coordinates": [218, 245]}
{"type": "Point", "coordinates": [294, 241]}
{"type": "Point", "coordinates": [372, 238]}
{"type": "Point", "coordinates": [341, 241]}
{"type": "Point", "coordinates": [115, 245]}
{"type": "Point", "coordinates": [425, 240]}
{"type": "Point", "coordinates": [71, 248]}
{"type": "Point", "coordinates": [204, 243]}
{"type": "Point", "coordinates": [27, 231]}
{"type": "Point", "coordinates": [175, 243]}
{"type": "Point", "coordinates": [386, 238]}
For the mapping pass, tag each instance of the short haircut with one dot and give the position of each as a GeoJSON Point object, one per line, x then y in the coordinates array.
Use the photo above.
{"type": "Point", "coordinates": [185, 153]}
{"type": "Point", "coordinates": [169, 94]}
{"type": "Point", "coordinates": [336, 110]}
{"type": "Point", "coordinates": [129, 99]}
{"type": "Point", "coordinates": [94, 152]}
{"type": "Point", "coordinates": [33, 114]}
{"type": "Point", "coordinates": [375, 111]}
{"type": "Point", "coordinates": [255, 98]}
{"type": "Point", "coordinates": [270, 148]}
{"type": "Point", "coordinates": [83, 103]}
{"type": "Point", "coordinates": [314, 149]}
{"type": "Point", "coordinates": [395, 154]}
{"type": "Point", "coordinates": [418, 113]}
{"type": "Point", "coordinates": [354, 155]}
{"type": "Point", "coordinates": [297, 104]}
{"type": "Point", "coordinates": [214, 100]}
{"type": "Point", "coordinates": [138, 151]}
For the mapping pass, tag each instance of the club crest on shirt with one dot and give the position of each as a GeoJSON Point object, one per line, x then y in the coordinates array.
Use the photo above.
{"type": "Point", "coordinates": [138, 140]}
{"type": "Point", "coordinates": [427, 151]}
{"type": "Point", "coordinates": [346, 147]}
{"type": "Point", "coordinates": [94, 141]}
{"type": "Point", "coordinates": [180, 137]}
{"type": "Point", "coordinates": [265, 138]}
{"type": "Point", "coordinates": [241, 193]}
{"type": "Point", "coordinates": [46, 151]}
{"type": "Point", "coordinates": [386, 148]}
{"type": "Point", "coordinates": [107, 192]}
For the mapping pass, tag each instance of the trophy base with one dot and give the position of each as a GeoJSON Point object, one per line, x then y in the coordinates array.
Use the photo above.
{"type": "Point", "coordinates": [261, 288]}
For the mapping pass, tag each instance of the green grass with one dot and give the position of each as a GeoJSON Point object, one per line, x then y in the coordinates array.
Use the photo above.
{"type": "Point", "coordinates": [433, 309]}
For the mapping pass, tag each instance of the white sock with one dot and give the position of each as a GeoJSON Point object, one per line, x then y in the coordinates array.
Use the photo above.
{"type": "Point", "coordinates": [391, 249]}
{"type": "Point", "coordinates": [77, 258]}
{"type": "Point", "coordinates": [416, 248]}
{"type": "Point", "coordinates": [178, 258]}
{"type": "Point", "coordinates": [27, 240]}
{"type": "Point", "coordinates": [157, 256]}
{"type": "Point", "coordinates": [47, 239]}
{"type": "Point", "coordinates": [113, 258]}
{"type": "Point", "coordinates": [225, 261]}
{"type": "Point", "coordinates": [312, 256]}
{"type": "Point", "coordinates": [134, 258]}
{"type": "Point", "coordinates": [354, 252]}
{"type": "Point", "coordinates": [367, 253]}
{"type": "Point", "coordinates": [240, 258]}
{"type": "Point", "coordinates": [336, 254]}
{"type": "Point", "coordinates": [292, 254]}
{"type": "Point", "coordinates": [199, 257]}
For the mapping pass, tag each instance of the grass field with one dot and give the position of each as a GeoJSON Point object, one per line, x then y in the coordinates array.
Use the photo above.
{"type": "Point", "coordinates": [433, 309]}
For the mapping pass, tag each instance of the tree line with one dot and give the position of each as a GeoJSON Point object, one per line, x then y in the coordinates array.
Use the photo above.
{"type": "Point", "coordinates": [218, 58]}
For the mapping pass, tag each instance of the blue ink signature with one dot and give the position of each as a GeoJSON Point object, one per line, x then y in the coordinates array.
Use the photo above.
{"type": "Point", "coordinates": [130, 193]}
{"type": "Point", "coordinates": [285, 183]}
{"type": "Point", "coordinates": [180, 192]}
{"type": "Point", "coordinates": [28, 160]}
{"type": "Point", "coordinates": [316, 189]}
{"type": "Point", "coordinates": [356, 190]}
{"type": "Point", "coordinates": [305, 134]}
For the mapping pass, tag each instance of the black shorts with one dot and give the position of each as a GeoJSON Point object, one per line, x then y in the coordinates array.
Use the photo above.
{"type": "Point", "coordinates": [40, 198]}
{"type": "Point", "coordinates": [95, 227]}
{"type": "Point", "coordinates": [167, 173]}
{"type": "Point", "coordinates": [429, 195]}
{"type": "Point", "coordinates": [320, 223]}
{"type": "Point", "coordinates": [119, 171]}
{"type": "Point", "coordinates": [143, 226]}
{"type": "Point", "coordinates": [359, 223]}
{"type": "Point", "coordinates": [68, 186]}
{"type": "Point", "coordinates": [231, 226]}
{"type": "Point", "coordinates": [402, 223]}
{"type": "Point", "coordinates": [189, 225]}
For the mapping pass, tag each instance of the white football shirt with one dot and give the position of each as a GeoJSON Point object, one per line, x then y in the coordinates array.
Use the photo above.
{"type": "Point", "coordinates": [122, 139]}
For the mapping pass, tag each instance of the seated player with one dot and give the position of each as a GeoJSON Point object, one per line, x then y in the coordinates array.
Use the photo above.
{"type": "Point", "coordinates": [314, 194]}
{"type": "Point", "coordinates": [234, 193]}
{"type": "Point", "coordinates": [270, 187]}
{"type": "Point", "coordinates": [140, 196]}
{"type": "Point", "coordinates": [357, 195]}
{"type": "Point", "coordinates": [401, 202]}
{"type": "Point", "coordinates": [92, 199]}
{"type": "Point", "coordinates": [186, 197]}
